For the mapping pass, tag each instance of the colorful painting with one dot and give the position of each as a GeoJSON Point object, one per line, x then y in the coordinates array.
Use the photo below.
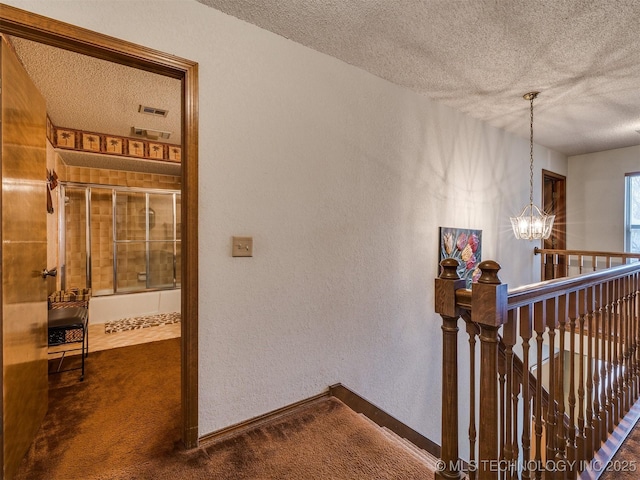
{"type": "Point", "coordinates": [465, 246]}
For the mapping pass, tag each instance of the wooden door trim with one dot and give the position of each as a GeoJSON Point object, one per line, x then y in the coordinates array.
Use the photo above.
{"type": "Point", "coordinates": [21, 23]}
{"type": "Point", "coordinates": [561, 218]}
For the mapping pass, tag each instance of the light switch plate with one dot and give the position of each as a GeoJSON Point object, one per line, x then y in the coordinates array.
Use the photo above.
{"type": "Point", "coordinates": [242, 247]}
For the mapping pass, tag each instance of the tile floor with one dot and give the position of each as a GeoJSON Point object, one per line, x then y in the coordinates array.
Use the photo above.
{"type": "Point", "coordinates": [98, 340]}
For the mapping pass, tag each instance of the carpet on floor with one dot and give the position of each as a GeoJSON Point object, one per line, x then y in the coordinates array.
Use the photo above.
{"type": "Point", "coordinates": [126, 411]}
{"type": "Point", "coordinates": [625, 464]}
{"type": "Point", "coordinates": [123, 422]}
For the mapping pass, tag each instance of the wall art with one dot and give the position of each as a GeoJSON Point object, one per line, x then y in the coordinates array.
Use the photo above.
{"type": "Point", "coordinates": [465, 246]}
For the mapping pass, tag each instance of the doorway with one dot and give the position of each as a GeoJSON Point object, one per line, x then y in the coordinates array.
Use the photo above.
{"type": "Point", "coordinates": [554, 202]}
{"type": "Point", "coordinates": [33, 27]}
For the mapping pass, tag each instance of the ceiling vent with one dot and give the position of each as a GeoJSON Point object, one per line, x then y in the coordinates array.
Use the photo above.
{"type": "Point", "coordinates": [158, 112]}
{"type": "Point", "coordinates": [150, 133]}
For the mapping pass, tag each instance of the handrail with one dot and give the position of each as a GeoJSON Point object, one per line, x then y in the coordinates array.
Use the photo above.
{"type": "Point", "coordinates": [584, 253]}
{"type": "Point", "coordinates": [589, 324]}
{"type": "Point", "coordinates": [556, 263]}
{"type": "Point", "coordinates": [541, 291]}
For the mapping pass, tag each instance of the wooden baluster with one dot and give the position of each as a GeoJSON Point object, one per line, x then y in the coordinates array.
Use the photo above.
{"type": "Point", "coordinates": [617, 335]}
{"type": "Point", "coordinates": [551, 319]}
{"type": "Point", "coordinates": [604, 344]}
{"type": "Point", "coordinates": [489, 309]}
{"type": "Point", "coordinates": [594, 263]}
{"type": "Point", "coordinates": [589, 428]}
{"type": "Point", "coordinates": [582, 305]}
{"type": "Point", "coordinates": [561, 432]}
{"type": "Point", "coordinates": [624, 405]}
{"type": "Point", "coordinates": [580, 263]}
{"type": "Point", "coordinates": [621, 343]}
{"type": "Point", "coordinates": [473, 332]}
{"type": "Point", "coordinates": [445, 303]}
{"type": "Point", "coordinates": [516, 449]}
{"type": "Point", "coordinates": [627, 336]}
{"type": "Point", "coordinates": [635, 319]}
{"type": "Point", "coordinates": [633, 339]}
{"type": "Point", "coordinates": [610, 372]}
{"type": "Point", "coordinates": [636, 316]}
{"type": "Point", "coordinates": [538, 325]}
{"type": "Point", "coordinates": [509, 334]}
{"type": "Point", "coordinates": [526, 331]}
{"type": "Point", "coordinates": [597, 362]}
{"type": "Point", "coordinates": [502, 373]}
{"type": "Point", "coordinates": [572, 451]}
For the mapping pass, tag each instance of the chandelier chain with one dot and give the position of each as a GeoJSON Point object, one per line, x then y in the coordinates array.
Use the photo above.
{"type": "Point", "coordinates": [532, 223]}
{"type": "Point", "coordinates": [531, 153]}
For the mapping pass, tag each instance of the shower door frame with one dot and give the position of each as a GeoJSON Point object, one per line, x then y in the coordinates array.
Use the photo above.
{"type": "Point", "coordinates": [62, 234]}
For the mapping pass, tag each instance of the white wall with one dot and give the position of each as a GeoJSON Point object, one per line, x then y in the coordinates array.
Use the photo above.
{"type": "Point", "coordinates": [343, 180]}
{"type": "Point", "coordinates": [595, 198]}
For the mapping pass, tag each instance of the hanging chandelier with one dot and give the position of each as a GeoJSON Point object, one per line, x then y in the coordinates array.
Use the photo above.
{"type": "Point", "coordinates": [532, 223]}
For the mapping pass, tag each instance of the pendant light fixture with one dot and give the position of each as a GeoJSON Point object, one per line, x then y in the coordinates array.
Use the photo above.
{"type": "Point", "coordinates": [532, 223]}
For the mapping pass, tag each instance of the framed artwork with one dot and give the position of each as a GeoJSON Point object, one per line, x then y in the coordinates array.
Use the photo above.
{"type": "Point", "coordinates": [136, 148]}
{"type": "Point", "coordinates": [65, 138]}
{"type": "Point", "coordinates": [174, 153]}
{"type": "Point", "coordinates": [91, 142]}
{"type": "Point", "coordinates": [156, 150]}
{"type": "Point", "coordinates": [465, 246]}
{"type": "Point", "coordinates": [113, 145]}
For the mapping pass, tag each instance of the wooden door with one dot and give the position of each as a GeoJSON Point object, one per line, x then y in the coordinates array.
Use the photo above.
{"type": "Point", "coordinates": [24, 256]}
{"type": "Point", "coordinates": [554, 203]}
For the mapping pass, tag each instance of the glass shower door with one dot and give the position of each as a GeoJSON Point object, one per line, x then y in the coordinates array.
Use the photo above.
{"type": "Point", "coordinates": [73, 244]}
{"type": "Point", "coordinates": [161, 241]}
{"type": "Point", "coordinates": [130, 241]}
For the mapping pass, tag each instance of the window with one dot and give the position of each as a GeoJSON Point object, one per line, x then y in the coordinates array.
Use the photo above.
{"type": "Point", "coordinates": [632, 213]}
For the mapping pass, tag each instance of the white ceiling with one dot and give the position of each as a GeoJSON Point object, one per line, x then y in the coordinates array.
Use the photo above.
{"type": "Point", "coordinates": [482, 56]}
{"type": "Point", "coordinates": [477, 56]}
{"type": "Point", "coordinates": [86, 93]}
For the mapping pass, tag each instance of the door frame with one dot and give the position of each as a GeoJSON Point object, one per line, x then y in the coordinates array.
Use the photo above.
{"type": "Point", "coordinates": [559, 231]}
{"type": "Point", "coordinates": [21, 23]}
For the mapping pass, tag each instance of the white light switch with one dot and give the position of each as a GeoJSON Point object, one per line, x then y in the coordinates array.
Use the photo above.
{"type": "Point", "coordinates": [242, 247]}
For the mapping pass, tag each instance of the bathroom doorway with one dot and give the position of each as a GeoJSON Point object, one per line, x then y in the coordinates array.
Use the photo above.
{"type": "Point", "coordinates": [22, 24]}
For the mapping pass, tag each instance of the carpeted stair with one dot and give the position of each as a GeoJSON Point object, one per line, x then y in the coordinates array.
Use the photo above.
{"type": "Point", "coordinates": [419, 454]}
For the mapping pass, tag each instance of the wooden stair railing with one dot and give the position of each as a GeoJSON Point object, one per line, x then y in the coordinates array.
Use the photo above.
{"type": "Point", "coordinates": [564, 263]}
{"type": "Point", "coordinates": [518, 373]}
{"type": "Point", "coordinates": [527, 431]}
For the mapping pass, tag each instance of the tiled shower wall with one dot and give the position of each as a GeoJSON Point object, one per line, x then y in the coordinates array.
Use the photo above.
{"type": "Point", "coordinates": [131, 264]}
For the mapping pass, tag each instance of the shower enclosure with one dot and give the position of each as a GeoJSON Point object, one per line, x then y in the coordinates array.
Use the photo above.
{"type": "Point", "coordinates": [117, 239]}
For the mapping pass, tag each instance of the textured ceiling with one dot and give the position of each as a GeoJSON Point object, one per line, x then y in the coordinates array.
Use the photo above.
{"type": "Point", "coordinates": [481, 56]}
{"type": "Point", "coordinates": [90, 94]}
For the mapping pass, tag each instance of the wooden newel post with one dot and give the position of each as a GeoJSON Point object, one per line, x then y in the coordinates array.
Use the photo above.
{"type": "Point", "coordinates": [445, 304]}
{"type": "Point", "coordinates": [489, 311]}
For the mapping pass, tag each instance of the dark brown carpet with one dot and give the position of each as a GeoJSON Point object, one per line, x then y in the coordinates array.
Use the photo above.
{"type": "Point", "coordinates": [625, 464]}
{"type": "Point", "coordinates": [126, 411]}
{"type": "Point", "coordinates": [122, 422]}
